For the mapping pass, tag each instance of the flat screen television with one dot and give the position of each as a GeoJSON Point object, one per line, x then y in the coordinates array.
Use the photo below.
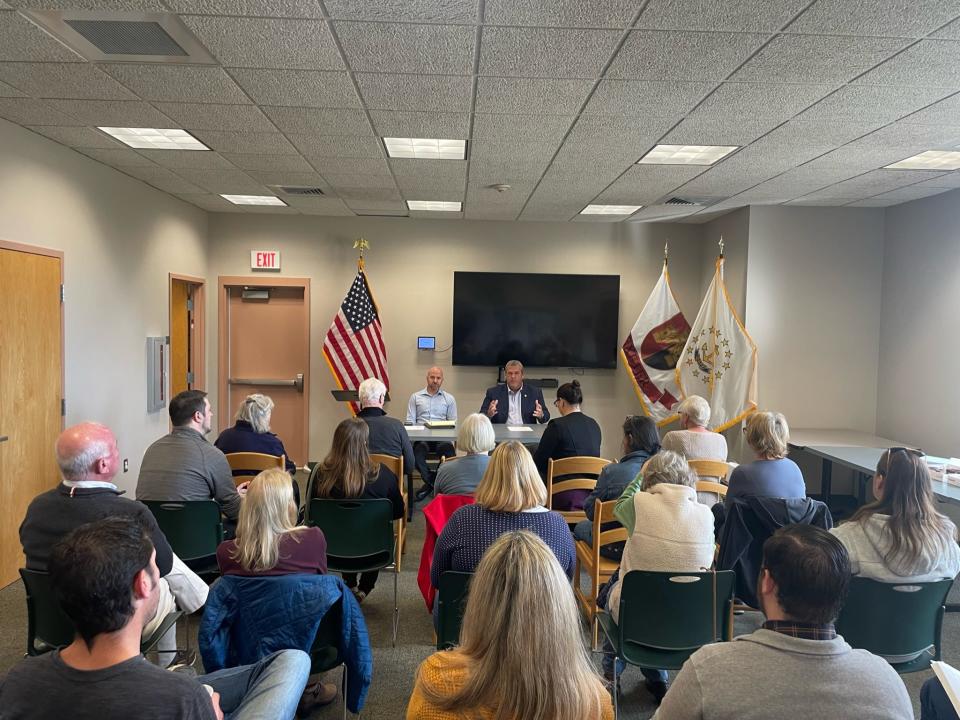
{"type": "Point", "coordinates": [539, 319]}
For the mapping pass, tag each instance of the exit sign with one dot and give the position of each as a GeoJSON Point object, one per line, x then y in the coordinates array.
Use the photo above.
{"type": "Point", "coordinates": [264, 259]}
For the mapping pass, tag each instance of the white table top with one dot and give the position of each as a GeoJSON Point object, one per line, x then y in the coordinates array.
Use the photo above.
{"type": "Point", "coordinates": [803, 437]}
{"type": "Point", "coordinates": [501, 432]}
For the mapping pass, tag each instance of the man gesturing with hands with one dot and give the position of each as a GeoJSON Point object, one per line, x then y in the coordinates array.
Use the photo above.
{"type": "Point", "coordinates": [515, 403]}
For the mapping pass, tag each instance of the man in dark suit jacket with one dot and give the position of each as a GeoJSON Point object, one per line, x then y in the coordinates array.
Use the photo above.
{"type": "Point", "coordinates": [528, 405]}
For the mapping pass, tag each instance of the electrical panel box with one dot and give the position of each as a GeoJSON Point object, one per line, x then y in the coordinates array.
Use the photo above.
{"type": "Point", "coordinates": [156, 373]}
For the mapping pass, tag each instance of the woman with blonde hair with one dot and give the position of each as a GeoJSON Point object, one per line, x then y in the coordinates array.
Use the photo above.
{"type": "Point", "coordinates": [268, 540]}
{"type": "Point", "coordinates": [521, 652]}
{"type": "Point", "coordinates": [510, 496]}
{"type": "Point", "coordinates": [772, 474]}
{"type": "Point", "coordinates": [348, 472]}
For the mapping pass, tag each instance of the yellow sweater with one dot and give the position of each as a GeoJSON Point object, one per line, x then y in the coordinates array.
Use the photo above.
{"type": "Point", "coordinates": [437, 672]}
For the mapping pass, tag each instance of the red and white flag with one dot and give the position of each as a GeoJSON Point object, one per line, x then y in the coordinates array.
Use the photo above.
{"type": "Point", "coordinates": [652, 349]}
{"type": "Point", "coordinates": [354, 347]}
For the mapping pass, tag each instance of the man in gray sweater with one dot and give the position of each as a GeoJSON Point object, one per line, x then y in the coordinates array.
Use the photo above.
{"type": "Point", "coordinates": [795, 665]}
{"type": "Point", "coordinates": [183, 465]}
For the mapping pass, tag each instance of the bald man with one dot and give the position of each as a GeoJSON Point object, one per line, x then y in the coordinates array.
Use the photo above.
{"type": "Point", "coordinates": [89, 459]}
{"type": "Point", "coordinates": [431, 403]}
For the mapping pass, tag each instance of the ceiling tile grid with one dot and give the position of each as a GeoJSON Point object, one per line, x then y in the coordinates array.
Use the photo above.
{"type": "Point", "coordinates": [558, 100]}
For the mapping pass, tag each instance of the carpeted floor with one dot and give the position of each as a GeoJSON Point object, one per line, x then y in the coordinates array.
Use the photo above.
{"type": "Point", "coordinates": [395, 667]}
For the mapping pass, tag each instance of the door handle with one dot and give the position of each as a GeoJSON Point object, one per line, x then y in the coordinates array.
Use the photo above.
{"type": "Point", "coordinates": [4, 438]}
{"type": "Point", "coordinates": [297, 382]}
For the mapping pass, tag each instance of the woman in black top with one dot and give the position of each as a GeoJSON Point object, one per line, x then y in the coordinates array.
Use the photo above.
{"type": "Point", "coordinates": [573, 434]}
{"type": "Point", "coordinates": [348, 472]}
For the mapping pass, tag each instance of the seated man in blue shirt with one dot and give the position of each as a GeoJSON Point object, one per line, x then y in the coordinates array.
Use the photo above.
{"type": "Point", "coordinates": [431, 403]}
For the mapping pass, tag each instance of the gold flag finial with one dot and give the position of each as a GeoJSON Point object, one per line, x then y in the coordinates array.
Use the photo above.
{"type": "Point", "coordinates": [362, 244]}
{"type": "Point", "coordinates": [721, 246]}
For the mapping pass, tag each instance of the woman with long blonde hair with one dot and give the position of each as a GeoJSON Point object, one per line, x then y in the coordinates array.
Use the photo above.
{"type": "Point", "coordinates": [268, 540]}
{"type": "Point", "coordinates": [521, 652]}
{"type": "Point", "coordinates": [348, 472]}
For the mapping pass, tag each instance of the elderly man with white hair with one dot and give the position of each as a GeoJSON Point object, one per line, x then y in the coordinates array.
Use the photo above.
{"type": "Point", "coordinates": [387, 434]}
{"type": "Point", "coordinates": [694, 441]}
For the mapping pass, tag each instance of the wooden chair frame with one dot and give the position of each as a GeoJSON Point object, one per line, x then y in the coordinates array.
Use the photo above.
{"type": "Point", "coordinates": [710, 469]}
{"type": "Point", "coordinates": [395, 465]}
{"type": "Point", "coordinates": [598, 568]}
{"type": "Point", "coordinates": [252, 461]}
{"type": "Point", "coordinates": [584, 472]}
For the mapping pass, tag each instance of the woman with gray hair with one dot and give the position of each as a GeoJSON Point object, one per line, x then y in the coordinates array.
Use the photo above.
{"type": "Point", "coordinates": [251, 433]}
{"type": "Point", "coordinates": [669, 531]}
{"type": "Point", "coordinates": [461, 475]}
{"type": "Point", "coordinates": [693, 440]}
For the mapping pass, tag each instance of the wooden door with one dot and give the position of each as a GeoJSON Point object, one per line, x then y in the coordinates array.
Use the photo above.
{"type": "Point", "coordinates": [31, 388]}
{"type": "Point", "coordinates": [265, 348]}
{"type": "Point", "coordinates": [186, 334]}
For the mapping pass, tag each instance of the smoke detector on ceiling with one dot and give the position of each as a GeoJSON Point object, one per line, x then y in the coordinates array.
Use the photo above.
{"type": "Point", "coordinates": [104, 36]}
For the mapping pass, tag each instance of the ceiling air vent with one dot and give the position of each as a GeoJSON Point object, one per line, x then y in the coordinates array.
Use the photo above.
{"type": "Point", "coordinates": [125, 37]}
{"type": "Point", "coordinates": [679, 201]}
{"type": "Point", "coordinates": [106, 36]}
{"type": "Point", "coordinates": [381, 213]}
{"type": "Point", "coordinates": [298, 190]}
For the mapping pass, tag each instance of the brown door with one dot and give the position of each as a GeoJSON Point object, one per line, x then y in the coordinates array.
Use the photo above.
{"type": "Point", "coordinates": [186, 334]}
{"type": "Point", "coordinates": [265, 348]}
{"type": "Point", "coordinates": [31, 388]}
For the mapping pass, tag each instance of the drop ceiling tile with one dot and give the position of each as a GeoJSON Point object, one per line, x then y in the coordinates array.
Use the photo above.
{"type": "Point", "coordinates": [76, 136]}
{"type": "Point", "coordinates": [431, 168]}
{"type": "Point", "coordinates": [20, 39]}
{"type": "Point", "coordinates": [929, 62]}
{"type": "Point", "coordinates": [27, 111]}
{"type": "Point", "coordinates": [879, 102]}
{"type": "Point", "coordinates": [906, 136]}
{"type": "Point", "coordinates": [7, 91]}
{"type": "Point", "coordinates": [265, 43]}
{"type": "Point", "coordinates": [299, 88]}
{"type": "Point", "coordinates": [117, 157]}
{"type": "Point", "coordinates": [348, 179]}
{"type": "Point", "coordinates": [178, 83]}
{"type": "Point", "coordinates": [269, 210]}
{"type": "Point", "coordinates": [427, 215]}
{"type": "Point", "coordinates": [853, 158]}
{"type": "Point", "coordinates": [192, 159]}
{"type": "Point", "coordinates": [446, 93]}
{"type": "Point", "coordinates": [760, 100]}
{"type": "Point", "coordinates": [945, 112]}
{"type": "Point", "coordinates": [816, 58]}
{"type": "Point", "coordinates": [163, 179]}
{"type": "Point", "coordinates": [233, 182]}
{"type": "Point", "coordinates": [616, 132]}
{"type": "Point", "coordinates": [254, 8]}
{"type": "Point", "coordinates": [891, 18]}
{"type": "Point", "coordinates": [322, 121]}
{"type": "Point", "coordinates": [949, 32]}
{"type": "Point", "coordinates": [643, 184]}
{"type": "Point", "coordinates": [950, 180]}
{"type": "Point", "coordinates": [537, 128]}
{"type": "Point", "coordinates": [546, 52]}
{"type": "Point", "coordinates": [207, 201]}
{"type": "Point", "coordinates": [246, 142]}
{"type": "Point", "coordinates": [872, 202]}
{"type": "Point", "coordinates": [359, 196]}
{"type": "Point", "coordinates": [226, 118]}
{"type": "Point", "coordinates": [666, 55]}
{"type": "Point", "coordinates": [341, 146]}
{"type": "Point", "coordinates": [272, 178]}
{"type": "Point", "coordinates": [561, 13]}
{"type": "Point", "coordinates": [352, 166]}
{"type": "Point", "coordinates": [408, 48]}
{"type": "Point", "coordinates": [514, 148]}
{"type": "Point", "coordinates": [877, 181]}
{"type": "Point", "coordinates": [646, 97]}
{"type": "Point", "coordinates": [110, 113]}
{"type": "Point", "coordinates": [134, 5]}
{"type": "Point", "coordinates": [825, 134]}
{"type": "Point", "coordinates": [732, 15]}
{"type": "Point", "coordinates": [526, 95]}
{"type": "Point", "coordinates": [385, 207]}
{"type": "Point", "coordinates": [420, 187]}
{"type": "Point", "coordinates": [910, 193]}
{"type": "Point", "coordinates": [388, 123]}
{"type": "Point", "coordinates": [438, 11]}
{"type": "Point", "coordinates": [820, 201]}
{"type": "Point", "coordinates": [293, 163]}
{"type": "Point", "coordinates": [484, 173]}
{"type": "Point", "coordinates": [702, 130]}
{"type": "Point", "coordinates": [63, 80]}
{"type": "Point", "coordinates": [319, 206]}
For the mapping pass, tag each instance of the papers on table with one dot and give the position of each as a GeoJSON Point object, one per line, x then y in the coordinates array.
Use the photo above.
{"type": "Point", "coordinates": [415, 427]}
{"type": "Point", "coordinates": [949, 677]}
{"type": "Point", "coordinates": [519, 428]}
{"type": "Point", "coordinates": [944, 469]}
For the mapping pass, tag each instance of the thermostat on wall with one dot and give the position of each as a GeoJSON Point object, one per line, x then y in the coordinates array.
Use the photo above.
{"type": "Point", "coordinates": [426, 343]}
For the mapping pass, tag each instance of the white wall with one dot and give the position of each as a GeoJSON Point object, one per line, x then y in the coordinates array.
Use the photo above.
{"type": "Point", "coordinates": [918, 390]}
{"type": "Point", "coordinates": [120, 239]}
{"type": "Point", "coordinates": [813, 309]}
{"type": "Point", "coordinates": [410, 266]}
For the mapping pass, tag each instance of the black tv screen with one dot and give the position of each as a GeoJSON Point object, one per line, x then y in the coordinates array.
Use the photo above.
{"type": "Point", "coordinates": [540, 320]}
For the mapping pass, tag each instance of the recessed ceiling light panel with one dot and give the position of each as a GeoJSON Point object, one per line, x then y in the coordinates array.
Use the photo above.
{"type": "Point", "coordinates": [425, 148]}
{"type": "Point", "coordinates": [930, 160]}
{"type": "Point", "coordinates": [155, 139]}
{"type": "Point", "coordinates": [254, 200]}
{"type": "Point", "coordinates": [434, 205]}
{"type": "Point", "coordinates": [610, 209]}
{"type": "Point", "coordinates": [686, 154]}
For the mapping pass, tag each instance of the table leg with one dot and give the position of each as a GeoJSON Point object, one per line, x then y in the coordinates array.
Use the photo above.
{"type": "Point", "coordinates": [826, 480]}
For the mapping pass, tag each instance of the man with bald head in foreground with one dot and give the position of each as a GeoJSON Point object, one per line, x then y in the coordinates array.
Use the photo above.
{"type": "Point", "coordinates": [431, 403]}
{"type": "Point", "coordinates": [89, 459]}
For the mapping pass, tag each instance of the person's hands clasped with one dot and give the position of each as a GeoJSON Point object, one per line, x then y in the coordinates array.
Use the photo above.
{"type": "Point", "coordinates": [492, 408]}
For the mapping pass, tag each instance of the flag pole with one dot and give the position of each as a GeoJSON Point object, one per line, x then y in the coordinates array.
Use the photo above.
{"type": "Point", "coordinates": [721, 247]}
{"type": "Point", "coordinates": [666, 252]}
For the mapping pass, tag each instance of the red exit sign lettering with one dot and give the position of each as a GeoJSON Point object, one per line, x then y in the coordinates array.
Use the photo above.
{"type": "Point", "coordinates": [264, 259]}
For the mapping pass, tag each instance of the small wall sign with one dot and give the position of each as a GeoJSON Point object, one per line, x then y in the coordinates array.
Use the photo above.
{"type": "Point", "coordinates": [264, 259]}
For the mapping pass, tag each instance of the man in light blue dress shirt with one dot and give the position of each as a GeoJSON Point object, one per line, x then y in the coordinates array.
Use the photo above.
{"type": "Point", "coordinates": [431, 403]}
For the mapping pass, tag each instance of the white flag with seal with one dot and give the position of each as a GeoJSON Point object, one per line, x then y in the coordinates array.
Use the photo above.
{"type": "Point", "coordinates": [651, 351]}
{"type": "Point", "coordinates": [719, 361]}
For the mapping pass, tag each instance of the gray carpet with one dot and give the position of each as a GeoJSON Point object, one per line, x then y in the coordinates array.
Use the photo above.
{"type": "Point", "coordinates": [394, 668]}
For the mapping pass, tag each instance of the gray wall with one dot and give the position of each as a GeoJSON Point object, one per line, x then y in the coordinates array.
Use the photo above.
{"type": "Point", "coordinates": [918, 392]}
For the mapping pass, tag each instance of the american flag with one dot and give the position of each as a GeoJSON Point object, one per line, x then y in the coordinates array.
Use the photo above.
{"type": "Point", "coordinates": [354, 346]}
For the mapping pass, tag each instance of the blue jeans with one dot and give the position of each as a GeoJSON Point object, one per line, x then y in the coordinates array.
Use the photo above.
{"type": "Point", "coordinates": [270, 688]}
{"type": "Point", "coordinates": [934, 702]}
